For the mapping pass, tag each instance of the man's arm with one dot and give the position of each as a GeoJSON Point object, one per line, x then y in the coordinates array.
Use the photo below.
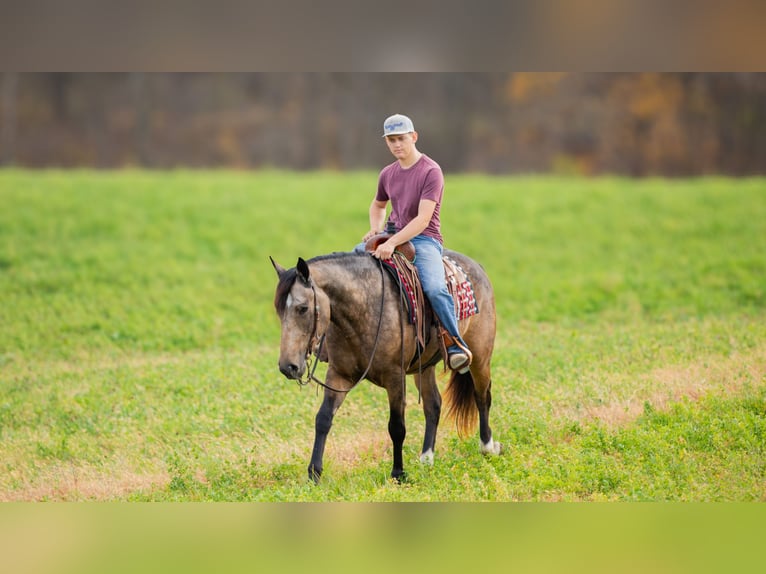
{"type": "Point", "coordinates": [415, 227]}
{"type": "Point", "coordinates": [377, 218]}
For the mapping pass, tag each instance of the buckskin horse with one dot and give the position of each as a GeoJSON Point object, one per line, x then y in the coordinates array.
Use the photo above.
{"type": "Point", "coordinates": [344, 308]}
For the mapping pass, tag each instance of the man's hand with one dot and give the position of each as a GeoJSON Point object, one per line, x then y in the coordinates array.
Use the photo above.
{"type": "Point", "coordinates": [369, 235]}
{"type": "Point", "coordinates": [385, 250]}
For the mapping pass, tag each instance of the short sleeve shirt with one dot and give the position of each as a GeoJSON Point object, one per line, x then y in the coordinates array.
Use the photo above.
{"type": "Point", "coordinates": [405, 188]}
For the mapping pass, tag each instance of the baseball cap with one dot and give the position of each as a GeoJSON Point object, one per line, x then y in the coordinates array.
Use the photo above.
{"type": "Point", "coordinates": [397, 124]}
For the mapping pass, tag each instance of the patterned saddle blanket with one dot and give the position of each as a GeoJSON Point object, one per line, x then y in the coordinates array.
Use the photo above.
{"type": "Point", "coordinates": [458, 284]}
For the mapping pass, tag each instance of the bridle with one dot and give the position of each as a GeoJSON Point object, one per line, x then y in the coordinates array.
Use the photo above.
{"type": "Point", "coordinates": [313, 362]}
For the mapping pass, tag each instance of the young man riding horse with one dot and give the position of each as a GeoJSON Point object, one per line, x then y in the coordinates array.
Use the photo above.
{"type": "Point", "coordinates": [345, 298]}
{"type": "Point", "coordinates": [414, 184]}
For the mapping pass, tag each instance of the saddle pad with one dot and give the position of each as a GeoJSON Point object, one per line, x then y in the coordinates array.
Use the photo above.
{"type": "Point", "coordinates": [408, 290]}
{"type": "Point", "coordinates": [460, 288]}
{"type": "Point", "coordinates": [458, 284]}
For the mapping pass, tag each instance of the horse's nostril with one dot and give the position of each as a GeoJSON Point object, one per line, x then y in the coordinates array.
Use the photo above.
{"type": "Point", "coordinates": [290, 371]}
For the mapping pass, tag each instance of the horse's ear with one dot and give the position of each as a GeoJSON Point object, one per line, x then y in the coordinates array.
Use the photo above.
{"type": "Point", "coordinates": [277, 267]}
{"type": "Point", "coordinates": [303, 270]}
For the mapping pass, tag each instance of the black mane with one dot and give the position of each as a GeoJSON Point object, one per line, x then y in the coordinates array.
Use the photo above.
{"type": "Point", "coordinates": [287, 278]}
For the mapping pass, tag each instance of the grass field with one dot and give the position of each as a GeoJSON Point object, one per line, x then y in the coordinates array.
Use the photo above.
{"type": "Point", "coordinates": [138, 341]}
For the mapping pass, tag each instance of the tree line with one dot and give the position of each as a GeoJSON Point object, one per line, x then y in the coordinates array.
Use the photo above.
{"type": "Point", "coordinates": [637, 124]}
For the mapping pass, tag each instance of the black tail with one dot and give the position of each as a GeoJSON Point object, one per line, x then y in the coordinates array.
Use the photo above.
{"type": "Point", "coordinates": [461, 403]}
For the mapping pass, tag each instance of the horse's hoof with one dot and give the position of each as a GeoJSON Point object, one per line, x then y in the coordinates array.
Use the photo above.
{"type": "Point", "coordinates": [399, 477]}
{"type": "Point", "coordinates": [315, 474]}
{"type": "Point", "coordinates": [427, 457]}
{"type": "Point", "coordinates": [492, 447]}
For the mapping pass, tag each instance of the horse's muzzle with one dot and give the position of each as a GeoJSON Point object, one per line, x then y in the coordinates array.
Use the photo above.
{"type": "Point", "coordinates": [291, 370]}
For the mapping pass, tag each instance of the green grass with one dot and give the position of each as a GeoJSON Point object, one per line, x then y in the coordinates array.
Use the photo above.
{"type": "Point", "coordinates": [138, 341]}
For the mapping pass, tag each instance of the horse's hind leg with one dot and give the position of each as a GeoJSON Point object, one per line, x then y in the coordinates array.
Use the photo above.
{"type": "Point", "coordinates": [323, 423]}
{"type": "Point", "coordinates": [483, 394]}
{"type": "Point", "coordinates": [432, 403]}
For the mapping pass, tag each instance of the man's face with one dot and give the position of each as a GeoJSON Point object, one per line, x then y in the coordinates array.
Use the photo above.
{"type": "Point", "coordinates": [402, 146]}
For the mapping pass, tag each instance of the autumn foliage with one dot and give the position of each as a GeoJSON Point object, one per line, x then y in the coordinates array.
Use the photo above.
{"type": "Point", "coordinates": [639, 124]}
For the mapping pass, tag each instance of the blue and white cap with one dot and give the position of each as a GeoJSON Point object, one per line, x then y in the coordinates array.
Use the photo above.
{"type": "Point", "coordinates": [397, 124]}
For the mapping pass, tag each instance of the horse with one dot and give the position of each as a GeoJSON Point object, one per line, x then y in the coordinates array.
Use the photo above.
{"type": "Point", "coordinates": [345, 309]}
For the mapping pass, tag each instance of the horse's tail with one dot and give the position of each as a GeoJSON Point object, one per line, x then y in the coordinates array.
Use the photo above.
{"type": "Point", "coordinates": [461, 403]}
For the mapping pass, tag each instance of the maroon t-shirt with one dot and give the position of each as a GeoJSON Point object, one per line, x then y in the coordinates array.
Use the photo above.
{"type": "Point", "coordinates": [405, 188]}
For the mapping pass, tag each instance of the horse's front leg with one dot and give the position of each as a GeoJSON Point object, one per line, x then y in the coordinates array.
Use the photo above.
{"type": "Point", "coordinates": [396, 428]}
{"type": "Point", "coordinates": [432, 402]}
{"type": "Point", "coordinates": [323, 421]}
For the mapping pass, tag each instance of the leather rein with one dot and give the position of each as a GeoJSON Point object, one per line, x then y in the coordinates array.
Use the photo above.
{"type": "Point", "coordinates": [313, 362]}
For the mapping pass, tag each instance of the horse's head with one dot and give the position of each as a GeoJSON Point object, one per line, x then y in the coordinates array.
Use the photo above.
{"type": "Point", "coordinates": [304, 311]}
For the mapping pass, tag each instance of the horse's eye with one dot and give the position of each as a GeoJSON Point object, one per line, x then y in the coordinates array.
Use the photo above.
{"type": "Point", "coordinates": [302, 309]}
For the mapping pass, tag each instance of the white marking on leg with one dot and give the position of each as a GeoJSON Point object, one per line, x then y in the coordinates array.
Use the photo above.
{"type": "Point", "coordinates": [491, 447]}
{"type": "Point", "coordinates": [427, 457]}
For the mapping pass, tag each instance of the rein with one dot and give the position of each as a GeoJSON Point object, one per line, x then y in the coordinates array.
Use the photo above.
{"type": "Point", "coordinates": [312, 363]}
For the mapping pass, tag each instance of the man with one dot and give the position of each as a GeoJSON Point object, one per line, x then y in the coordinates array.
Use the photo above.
{"type": "Point", "coordinates": [414, 184]}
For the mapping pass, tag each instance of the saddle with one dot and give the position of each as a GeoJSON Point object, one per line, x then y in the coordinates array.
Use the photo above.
{"type": "Point", "coordinates": [406, 249]}
{"type": "Point", "coordinates": [402, 269]}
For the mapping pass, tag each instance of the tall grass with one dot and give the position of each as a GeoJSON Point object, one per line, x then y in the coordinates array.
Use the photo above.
{"type": "Point", "coordinates": [138, 342]}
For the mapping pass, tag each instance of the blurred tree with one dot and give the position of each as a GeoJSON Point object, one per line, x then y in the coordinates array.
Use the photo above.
{"type": "Point", "coordinates": [141, 127]}
{"type": "Point", "coordinates": [650, 133]}
{"type": "Point", "coordinates": [637, 124]}
{"type": "Point", "coordinates": [8, 85]}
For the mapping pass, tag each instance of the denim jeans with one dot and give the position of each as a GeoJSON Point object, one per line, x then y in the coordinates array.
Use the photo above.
{"type": "Point", "coordinates": [428, 261]}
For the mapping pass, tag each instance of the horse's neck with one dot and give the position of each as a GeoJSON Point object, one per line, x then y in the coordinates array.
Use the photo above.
{"type": "Point", "coordinates": [353, 288]}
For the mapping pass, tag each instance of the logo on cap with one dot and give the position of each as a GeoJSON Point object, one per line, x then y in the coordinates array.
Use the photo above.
{"type": "Point", "coordinates": [397, 124]}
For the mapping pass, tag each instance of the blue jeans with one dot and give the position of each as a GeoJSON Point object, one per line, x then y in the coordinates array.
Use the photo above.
{"type": "Point", "coordinates": [428, 261]}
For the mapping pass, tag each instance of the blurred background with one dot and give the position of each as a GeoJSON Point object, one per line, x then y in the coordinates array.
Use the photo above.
{"type": "Point", "coordinates": [634, 124]}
